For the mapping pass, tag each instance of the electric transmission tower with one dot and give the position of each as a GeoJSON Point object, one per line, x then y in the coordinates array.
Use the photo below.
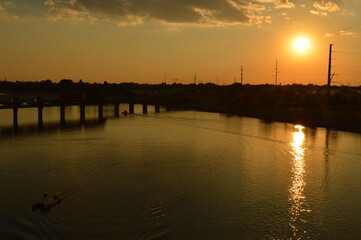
{"type": "Point", "coordinates": [241, 75]}
{"type": "Point", "coordinates": [276, 73]}
{"type": "Point", "coordinates": [330, 75]}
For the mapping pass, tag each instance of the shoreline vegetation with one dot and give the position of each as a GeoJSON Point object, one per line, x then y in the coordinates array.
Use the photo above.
{"type": "Point", "coordinates": [308, 105]}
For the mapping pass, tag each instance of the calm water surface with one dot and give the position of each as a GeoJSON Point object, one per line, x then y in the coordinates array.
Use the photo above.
{"type": "Point", "coordinates": [177, 175]}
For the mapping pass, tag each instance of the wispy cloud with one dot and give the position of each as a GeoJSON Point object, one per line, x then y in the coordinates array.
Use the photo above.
{"type": "Point", "coordinates": [283, 4]}
{"type": "Point", "coordinates": [323, 8]}
{"type": "Point", "coordinates": [317, 12]}
{"type": "Point", "coordinates": [132, 12]}
{"type": "Point", "coordinates": [4, 14]}
{"type": "Point", "coordinates": [49, 3]}
{"type": "Point", "coordinates": [62, 13]}
{"type": "Point", "coordinates": [347, 33]}
{"type": "Point", "coordinates": [341, 33]}
{"type": "Point", "coordinates": [328, 6]}
{"type": "Point", "coordinates": [182, 12]}
{"type": "Point", "coordinates": [264, 1]}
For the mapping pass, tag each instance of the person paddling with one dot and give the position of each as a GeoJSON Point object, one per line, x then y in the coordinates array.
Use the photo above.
{"type": "Point", "coordinates": [45, 199]}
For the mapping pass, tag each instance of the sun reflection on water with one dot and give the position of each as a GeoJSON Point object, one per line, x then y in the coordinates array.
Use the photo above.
{"type": "Point", "coordinates": [296, 191]}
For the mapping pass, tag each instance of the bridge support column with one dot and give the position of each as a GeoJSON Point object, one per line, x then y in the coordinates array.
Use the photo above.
{"type": "Point", "coordinates": [15, 117]}
{"type": "Point", "coordinates": [62, 114]}
{"type": "Point", "coordinates": [145, 108]}
{"type": "Point", "coordinates": [116, 109]}
{"type": "Point", "coordinates": [100, 112]}
{"type": "Point", "coordinates": [40, 111]}
{"type": "Point", "coordinates": [82, 112]}
{"type": "Point", "coordinates": [15, 112]}
{"type": "Point", "coordinates": [157, 108]}
{"type": "Point", "coordinates": [40, 115]}
{"type": "Point", "coordinates": [131, 108]}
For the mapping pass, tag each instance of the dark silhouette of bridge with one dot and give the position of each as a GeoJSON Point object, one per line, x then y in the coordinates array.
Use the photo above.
{"type": "Point", "coordinates": [16, 105]}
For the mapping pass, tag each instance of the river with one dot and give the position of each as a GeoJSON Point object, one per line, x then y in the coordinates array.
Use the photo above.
{"type": "Point", "coordinates": [177, 175]}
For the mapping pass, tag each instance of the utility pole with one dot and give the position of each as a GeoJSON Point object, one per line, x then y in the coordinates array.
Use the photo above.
{"type": "Point", "coordinates": [329, 75]}
{"type": "Point", "coordinates": [276, 75]}
{"type": "Point", "coordinates": [241, 77]}
{"type": "Point", "coordinates": [195, 78]}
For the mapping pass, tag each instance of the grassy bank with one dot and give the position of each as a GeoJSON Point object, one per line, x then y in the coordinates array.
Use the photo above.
{"type": "Point", "coordinates": [340, 120]}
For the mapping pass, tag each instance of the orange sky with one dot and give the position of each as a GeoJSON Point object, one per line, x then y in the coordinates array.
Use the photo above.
{"type": "Point", "coordinates": [141, 40]}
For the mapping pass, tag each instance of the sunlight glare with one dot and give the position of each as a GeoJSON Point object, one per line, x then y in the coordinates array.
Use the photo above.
{"type": "Point", "coordinates": [299, 127]}
{"type": "Point", "coordinates": [297, 197]}
{"type": "Point", "coordinates": [301, 44]}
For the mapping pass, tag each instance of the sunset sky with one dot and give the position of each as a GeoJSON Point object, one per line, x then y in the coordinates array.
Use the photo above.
{"type": "Point", "coordinates": [142, 40]}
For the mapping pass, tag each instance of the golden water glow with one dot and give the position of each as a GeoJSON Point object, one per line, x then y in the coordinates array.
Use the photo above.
{"type": "Point", "coordinates": [296, 191]}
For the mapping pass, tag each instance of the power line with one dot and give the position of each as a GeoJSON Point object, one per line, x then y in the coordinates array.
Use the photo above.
{"type": "Point", "coordinates": [347, 52]}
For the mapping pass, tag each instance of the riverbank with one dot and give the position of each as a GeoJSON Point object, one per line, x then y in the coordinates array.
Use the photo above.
{"type": "Point", "coordinates": [332, 119]}
{"type": "Point", "coordinates": [316, 106]}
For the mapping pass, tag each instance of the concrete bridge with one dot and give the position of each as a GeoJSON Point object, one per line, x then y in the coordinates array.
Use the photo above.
{"type": "Point", "coordinates": [15, 105]}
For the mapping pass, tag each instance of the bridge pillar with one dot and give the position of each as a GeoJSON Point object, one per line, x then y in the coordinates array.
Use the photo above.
{"type": "Point", "coordinates": [116, 109]}
{"type": "Point", "coordinates": [40, 115]}
{"type": "Point", "coordinates": [82, 112]}
{"type": "Point", "coordinates": [15, 117]}
{"type": "Point", "coordinates": [100, 112]}
{"type": "Point", "coordinates": [40, 111]}
{"type": "Point", "coordinates": [131, 108]}
{"type": "Point", "coordinates": [62, 114]}
{"type": "Point", "coordinates": [157, 108]}
{"type": "Point", "coordinates": [145, 108]}
{"type": "Point", "coordinates": [15, 112]}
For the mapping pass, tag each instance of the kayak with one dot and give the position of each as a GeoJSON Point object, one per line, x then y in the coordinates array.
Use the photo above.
{"type": "Point", "coordinates": [49, 203]}
{"type": "Point", "coordinates": [54, 200]}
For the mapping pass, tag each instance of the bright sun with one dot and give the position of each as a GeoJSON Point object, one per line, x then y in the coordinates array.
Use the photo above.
{"type": "Point", "coordinates": [301, 44]}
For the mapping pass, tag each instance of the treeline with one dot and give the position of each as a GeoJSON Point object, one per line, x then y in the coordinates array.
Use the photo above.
{"type": "Point", "coordinates": [293, 96]}
{"type": "Point", "coordinates": [65, 89]}
{"type": "Point", "coordinates": [237, 96]}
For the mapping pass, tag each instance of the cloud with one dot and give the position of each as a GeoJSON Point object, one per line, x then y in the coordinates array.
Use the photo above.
{"type": "Point", "coordinates": [326, 6]}
{"type": "Point", "coordinates": [4, 13]}
{"type": "Point", "coordinates": [347, 33]}
{"type": "Point", "coordinates": [254, 7]}
{"type": "Point", "coordinates": [133, 12]}
{"type": "Point", "coordinates": [255, 15]}
{"type": "Point", "coordinates": [316, 12]}
{"type": "Point", "coordinates": [283, 4]}
{"type": "Point", "coordinates": [256, 19]}
{"type": "Point", "coordinates": [57, 14]}
{"type": "Point", "coordinates": [285, 16]}
{"type": "Point", "coordinates": [278, 3]}
{"type": "Point", "coordinates": [323, 8]}
{"type": "Point", "coordinates": [341, 33]}
{"type": "Point", "coordinates": [328, 35]}
{"type": "Point", "coordinates": [49, 3]}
